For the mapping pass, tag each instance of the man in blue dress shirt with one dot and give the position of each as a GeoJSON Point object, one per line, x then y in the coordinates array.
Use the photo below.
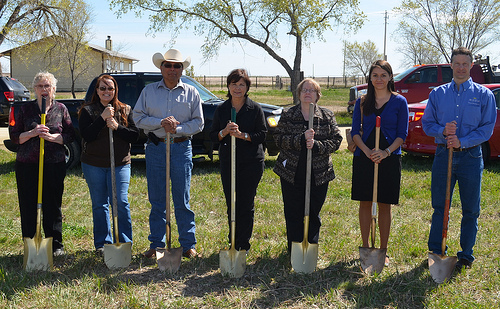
{"type": "Point", "coordinates": [170, 106]}
{"type": "Point", "coordinates": [459, 115]}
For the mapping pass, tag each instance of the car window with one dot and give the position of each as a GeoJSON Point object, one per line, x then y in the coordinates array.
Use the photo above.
{"type": "Point", "coordinates": [447, 74]}
{"type": "Point", "coordinates": [17, 85]}
{"type": "Point", "coordinates": [496, 92]}
{"type": "Point", "coordinates": [424, 75]}
{"type": "Point", "coordinates": [205, 94]}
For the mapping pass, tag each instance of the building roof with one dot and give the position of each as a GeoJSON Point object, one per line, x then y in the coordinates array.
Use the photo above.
{"type": "Point", "coordinates": [94, 47]}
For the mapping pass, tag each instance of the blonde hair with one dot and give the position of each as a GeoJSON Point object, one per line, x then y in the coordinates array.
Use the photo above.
{"type": "Point", "coordinates": [315, 84]}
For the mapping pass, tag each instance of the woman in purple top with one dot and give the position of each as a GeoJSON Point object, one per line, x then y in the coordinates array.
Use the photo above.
{"type": "Point", "coordinates": [27, 131]}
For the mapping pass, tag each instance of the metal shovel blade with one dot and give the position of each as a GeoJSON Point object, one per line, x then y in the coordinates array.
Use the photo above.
{"type": "Point", "coordinates": [118, 255]}
{"type": "Point", "coordinates": [37, 254]}
{"type": "Point", "coordinates": [304, 257]}
{"type": "Point", "coordinates": [169, 259]}
{"type": "Point", "coordinates": [233, 262]}
{"type": "Point", "coordinates": [441, 267]}
{"type": "Point", "coordinates": [372, 260]}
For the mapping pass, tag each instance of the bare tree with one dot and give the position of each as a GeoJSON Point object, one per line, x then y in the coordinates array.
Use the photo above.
{"type": "Point", "coordinates": [442, 25]}
{"type": "Point", "coordinates": [360, 56]}
{"type": "Point", "coordinates": [256, 22]}
{"type": "Point", "coordinates": [415, 51]}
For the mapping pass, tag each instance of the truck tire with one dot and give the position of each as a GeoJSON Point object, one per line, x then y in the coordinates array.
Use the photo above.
{"type": "Point", "coordinates": [72, 153]}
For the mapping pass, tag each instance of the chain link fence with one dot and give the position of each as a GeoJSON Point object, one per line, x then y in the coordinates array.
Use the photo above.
{"type": "Point", "coordinates": [282, 82]}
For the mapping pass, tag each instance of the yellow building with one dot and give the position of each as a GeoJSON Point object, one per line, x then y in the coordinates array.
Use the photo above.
{"type": "Point", "coordinates": [29, 59]}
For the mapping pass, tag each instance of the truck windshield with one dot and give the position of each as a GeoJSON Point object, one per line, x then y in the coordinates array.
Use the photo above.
{"type": "Point", "coordinates": [400, 76]}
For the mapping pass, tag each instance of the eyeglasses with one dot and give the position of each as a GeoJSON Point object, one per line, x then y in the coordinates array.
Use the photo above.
{"type": "Point", "coordinates": [308, 90]}
{"type": "Point", "coordinates": [172, 65]}
{"type": "Point", "coordinates": [46, 86]}
{"type": "Point", "coordinates": [108, 88]}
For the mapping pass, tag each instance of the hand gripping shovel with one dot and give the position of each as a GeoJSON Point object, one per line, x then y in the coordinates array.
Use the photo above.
{"type": "Point", "coordinates": [117, 255]}
{"type": "Point", "coordinates": [304, 255]}
{"type": "Point", "coordinates": [372, 259]}
{"type": "Point", "coordinates": [440, 266]}
{"type": "Point", "coordinates": [233, 262]}
{"type": "Point", "coordinates": [38, 251]}
{"type": "Point", "coordinates": [168, 258]}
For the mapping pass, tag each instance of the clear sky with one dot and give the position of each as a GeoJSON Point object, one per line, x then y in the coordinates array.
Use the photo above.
{"type": "Point", "coordinates": [320, 59]}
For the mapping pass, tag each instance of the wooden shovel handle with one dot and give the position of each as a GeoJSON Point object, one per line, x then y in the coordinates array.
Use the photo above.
{"type": "Point", "coordinates": [375, 184]}
{"type": "Point", "coordinates": [168, 232]}
{"type": "Point", "coordinates": [446, 215]}
{"type": "Point", "coordinates": [113, 183]}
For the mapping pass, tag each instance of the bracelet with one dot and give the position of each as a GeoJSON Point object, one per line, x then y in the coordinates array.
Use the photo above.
{"type": "Point", "coordinates": [246, 136]}
{"type": "Point", "coordinates": [388, 152]}
{"type": "Point", "coordinates": [221, 135]}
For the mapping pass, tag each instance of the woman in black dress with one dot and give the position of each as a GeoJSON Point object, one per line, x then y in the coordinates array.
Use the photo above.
{"type": "Point", "coordinates": [380, 100]}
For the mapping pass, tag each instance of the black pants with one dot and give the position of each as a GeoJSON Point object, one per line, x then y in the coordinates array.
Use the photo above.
{"type": "Point", "coordinates": [248, 176]}
{"type": "Point", "coordinates": [294, 203]}
{"type": "Point", "coordinates": [27, 190]}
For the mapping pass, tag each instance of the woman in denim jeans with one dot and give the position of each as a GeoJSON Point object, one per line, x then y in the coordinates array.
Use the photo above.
{"type": "Point", "coordinates": [95, 118]}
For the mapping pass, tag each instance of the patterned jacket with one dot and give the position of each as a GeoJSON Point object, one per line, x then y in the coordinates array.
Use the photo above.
{"type": "Point", "coordinates": [289, 137]}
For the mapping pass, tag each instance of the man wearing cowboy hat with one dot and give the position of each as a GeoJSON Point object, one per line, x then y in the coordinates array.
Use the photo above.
{"type": "Point", "coordinates": [170, 106]}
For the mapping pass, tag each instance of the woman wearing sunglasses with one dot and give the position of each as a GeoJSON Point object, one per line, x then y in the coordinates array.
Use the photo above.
{"type": "Point", "coordinates": [96, 117]}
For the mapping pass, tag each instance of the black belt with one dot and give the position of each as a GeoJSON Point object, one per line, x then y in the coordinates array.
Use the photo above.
{"type": "Point", "coordinates": [181, 139]}
{"type": "Point", "coordinates": [457, 149]}
{"type": "Point", "coordinates": [156, 140]}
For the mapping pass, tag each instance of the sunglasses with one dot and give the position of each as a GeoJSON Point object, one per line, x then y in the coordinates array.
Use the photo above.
{"type": "Point", "coordinates": [108, 88]}
{"type": "Point", "coordinates": [172, 65]}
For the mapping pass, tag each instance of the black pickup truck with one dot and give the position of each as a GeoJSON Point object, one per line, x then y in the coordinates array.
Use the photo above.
{"type": "Point", "coordinates": [130, 86]}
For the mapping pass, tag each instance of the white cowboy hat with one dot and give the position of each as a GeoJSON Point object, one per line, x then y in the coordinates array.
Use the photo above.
{"type": "Point", "coordinates": [172, 55]}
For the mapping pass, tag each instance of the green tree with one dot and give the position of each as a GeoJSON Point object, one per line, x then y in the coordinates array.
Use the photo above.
{"type": "Point", "coordinates": [256, 22]}
{"type": "Point", "coordinates": [442, 25]}
{"type": "Point", "coordinates": [360, 56]}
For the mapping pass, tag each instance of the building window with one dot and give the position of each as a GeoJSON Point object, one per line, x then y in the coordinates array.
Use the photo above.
{"type": "Point", "coordinates": [121, 66]}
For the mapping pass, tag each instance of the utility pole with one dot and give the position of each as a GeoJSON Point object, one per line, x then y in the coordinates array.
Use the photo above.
{"type": "Point", "coordinates": [385, 35]}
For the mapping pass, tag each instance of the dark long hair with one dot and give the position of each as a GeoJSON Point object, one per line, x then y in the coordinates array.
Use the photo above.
{"type": "Point", "coordinates": [369, 98]}
{"type": "Point", "coordinates": [117, 105]}
{"type": "Point", "coordinates": [234, 76]}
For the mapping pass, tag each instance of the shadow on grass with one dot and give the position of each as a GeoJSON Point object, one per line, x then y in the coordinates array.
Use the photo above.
{"type": "Point", "coordinates": [272, 279]}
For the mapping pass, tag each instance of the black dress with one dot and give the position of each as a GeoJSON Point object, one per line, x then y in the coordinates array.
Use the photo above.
{"type": "Point", "coordinates": [389, 175]}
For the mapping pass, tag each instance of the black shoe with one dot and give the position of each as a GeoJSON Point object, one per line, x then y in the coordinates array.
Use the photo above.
{"type": "Point", "coordinates": [99, 251]}
{"type": "Point", "coordinates": [463, 263]}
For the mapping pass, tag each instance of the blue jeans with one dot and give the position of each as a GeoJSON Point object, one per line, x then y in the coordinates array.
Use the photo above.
{"type": "Point", "coordinates": [101, 193]}
{"type": "Point", "coordinates": [180, 177]}
{"type": "Point", "coordinates": [467, 169]}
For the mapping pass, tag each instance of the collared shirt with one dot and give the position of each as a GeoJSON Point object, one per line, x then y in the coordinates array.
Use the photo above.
{"type": "Point", "coordinates": [472, 106]}
{"type": "Point", "coordinates": [157, 102]}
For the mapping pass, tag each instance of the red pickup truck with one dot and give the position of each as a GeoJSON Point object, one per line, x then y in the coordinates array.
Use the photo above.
{"type": "Point", "coordinates": [416, 83]}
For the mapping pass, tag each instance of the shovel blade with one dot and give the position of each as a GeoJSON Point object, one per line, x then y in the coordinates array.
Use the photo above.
{"type": "Point", "coordinates": [441, 267]}
{"type": "Point", "coordinates": [169, 259]}
{"type": "Point", "coordinates": [304, 257]}
{"type": "Point", "coordinates": [117, 255]}
{"type": "Point", "coordinates": [232, 262]}
{"type": "Point", "coordinates": [37, 254]}
{"type": "Point", "coordinates": [372, 260]}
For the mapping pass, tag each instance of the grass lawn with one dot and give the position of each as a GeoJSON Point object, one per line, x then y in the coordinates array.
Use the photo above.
{"type": "Point", "coordinates": [80, 279]}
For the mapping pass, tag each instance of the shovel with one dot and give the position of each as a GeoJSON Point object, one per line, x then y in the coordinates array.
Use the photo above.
{"type": "Point", "coordinates": [233, 262]}
{"type": "Point", "coordinates": [117, 255]}
{"type": "Point", "coordinates": [38, 251]}
{"type": "Point", "coordinates": [304, 255]}
{"type": "Point", "coordinates": [373, 259]}
{"type": "Point", "coordinates": [440, 266]}
{"type": "Point", "coordinates": [168, 258]}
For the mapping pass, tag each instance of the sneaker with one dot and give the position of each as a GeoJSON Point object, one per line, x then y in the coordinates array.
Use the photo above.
{"type": "Point", "coordinates": [463, 263]}
{"type": "Point", "coordinates": [59, 252]}
{"type": "Point", "coordinates": [99, 251]}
